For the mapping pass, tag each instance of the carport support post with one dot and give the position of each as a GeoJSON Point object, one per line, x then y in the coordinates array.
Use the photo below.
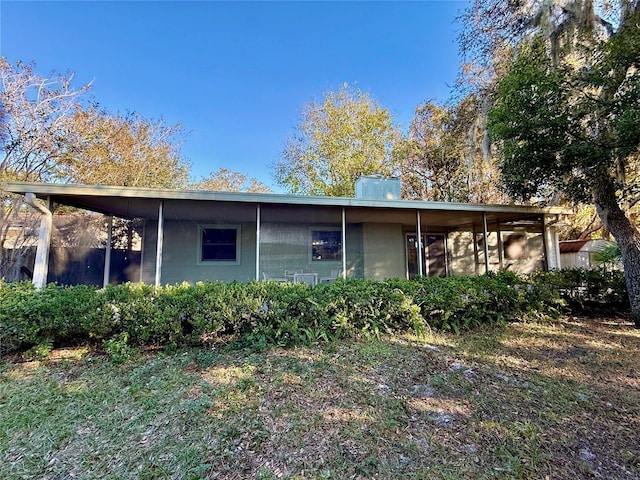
{"type": "Point", "coordinates": [258, 243]}
{"type": "Point", "coordinates": [41, 266]}
{"type": "Point", "coordinates": [419, 243]}
{"type": "Point", "coordinates": [486, 242]}
{"type": "Point", "coordinates": [500, 245]}
{"type": "Point", "coordinates": [344, 244]}
{"type": "Point", "coordinates": [107, 252]}
{"type": "Point", "coordinates": [159, 244]}
{"type": "Point", "coordinates": [545, 245]}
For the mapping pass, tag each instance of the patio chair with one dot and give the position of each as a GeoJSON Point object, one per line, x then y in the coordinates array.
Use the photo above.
{"type": "Point", "coordinates": [269, 278]}
{"type": "Point", "coordinates": [335, 273]}
{"type": "Point", "coordinates": [289, 274]}
{"type": "Point", "coordinates": [308, 278]}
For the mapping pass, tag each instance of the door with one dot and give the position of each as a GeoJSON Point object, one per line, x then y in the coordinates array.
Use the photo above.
{"type": "Point", "coordinates": [434, 256]}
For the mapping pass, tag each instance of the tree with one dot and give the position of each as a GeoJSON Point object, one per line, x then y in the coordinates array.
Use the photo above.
{"type": "Point", "coordinates": [34, 127]}
{"type": "Point", "coordinates": [48, 133]}
{"type": "Point", "coordinates": [492, 31]}
{"type": "Point", "coordinates": [443, 156]}
{"type": "Point", "coordinates": [337, 141]}
{"type": "Point", "coordinates": [224, 180]}
{"type": "Point", "coordinates": [571, 127]}
{"type": "Point", "coordinates": [124, 150]}
{"type": "Point", "coordinates": [431, 160]}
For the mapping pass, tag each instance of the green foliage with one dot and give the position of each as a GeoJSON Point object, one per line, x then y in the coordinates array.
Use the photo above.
{"type": "Point", "coordinates": [338, 140]}
{"type": "Point", "coordinates": [531, 118]}
{"type": "Point", "coordinates": [571, 128]}
{"type": "Point", "coordinates": [583, 291]}
{"type": "Point", "coordinates": [126, 317]}
{"type": "Point", "coordinates": [609, 255]}
{"type": "Point", "coordinates": [118, 348]}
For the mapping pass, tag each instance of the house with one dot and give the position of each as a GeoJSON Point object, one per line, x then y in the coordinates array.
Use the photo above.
{"type": "Point", "coordinates": [579, 253]}
{"type": "Point", "coordinates": [202, 235]}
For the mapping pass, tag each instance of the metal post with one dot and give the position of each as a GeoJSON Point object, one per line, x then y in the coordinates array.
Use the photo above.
{"type": "Point", "coordinates": [258, 243]}
{"type": "Point", "coordinates": [107, 252]}
{"type": "Point", "coordinates": [344, 244]}
{"type": "Point", "coordinates": [142, 250]}
{"type": "Point", "coordinates": [545, 245]}
{"type": "Point", "coordinates": [419, 244]}
{"type": "Point", "coordinates": [41, 265]}
{"type": "Point", "coordinates": [486, 242]}
{"type": "Point", "coordinates": [159, 244]}
{"type": "Point", "coordinates": [475, 248]}
{"type": "Point", "coordinates": [500, 245]}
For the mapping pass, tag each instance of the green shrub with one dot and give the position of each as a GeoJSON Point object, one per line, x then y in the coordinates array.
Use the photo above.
{"type": "Point", "coordinates": [118, 348]}
{"type": "Point", "coordinates": [583, 291]}
{"type": "Point", "coordinates": [128, 316]}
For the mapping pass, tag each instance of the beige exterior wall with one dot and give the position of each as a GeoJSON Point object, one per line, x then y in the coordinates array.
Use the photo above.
{"type": "Point", "coordinates": [461, 254]}
{"type": "Point", "coordinates": [533, 254]}
{"type": "Point", "coordinates": [527, 255]}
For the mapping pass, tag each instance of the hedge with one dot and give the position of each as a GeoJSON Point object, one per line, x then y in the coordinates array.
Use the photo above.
{"type": "Point", "coordinates": [128, 316]}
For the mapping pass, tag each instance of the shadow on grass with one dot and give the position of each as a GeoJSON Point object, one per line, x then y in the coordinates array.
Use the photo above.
{"type": "Point", "coordinates": [521, 401]}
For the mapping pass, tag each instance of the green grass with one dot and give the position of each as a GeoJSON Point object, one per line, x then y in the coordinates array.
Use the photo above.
{"type": "Point", "coordinates": [519, 401]}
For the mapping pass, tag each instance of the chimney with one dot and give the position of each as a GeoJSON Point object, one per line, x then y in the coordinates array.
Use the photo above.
{"type": "Point", "coordinates": [378, 187]}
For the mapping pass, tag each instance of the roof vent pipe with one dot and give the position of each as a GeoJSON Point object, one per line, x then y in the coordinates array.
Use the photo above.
{"type": "Point", "coordinates": [41, 266]}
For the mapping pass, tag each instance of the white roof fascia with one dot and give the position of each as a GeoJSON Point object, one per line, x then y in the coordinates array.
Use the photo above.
{"type": "Point", "coordinates": [53, 189]}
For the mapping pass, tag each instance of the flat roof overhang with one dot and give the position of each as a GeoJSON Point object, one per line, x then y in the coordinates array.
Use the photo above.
{"type": "Point", "coordinates": [133, 202]}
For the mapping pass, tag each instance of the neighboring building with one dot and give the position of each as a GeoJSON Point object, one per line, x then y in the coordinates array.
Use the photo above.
{"type": "Point", "coordinates": [579, 253]}
{"type": "Point", "coordinates": [198, 235]}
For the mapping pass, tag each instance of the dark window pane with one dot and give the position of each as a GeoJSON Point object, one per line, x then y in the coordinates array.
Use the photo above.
{"type": "Point", "coordinates": [219, 244]}
{"type": "Point", "coordinates": [326, 245]}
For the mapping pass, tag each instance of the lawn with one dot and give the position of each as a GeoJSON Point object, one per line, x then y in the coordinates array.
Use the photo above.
{"type": "Point", "coordinates": [527, 400]}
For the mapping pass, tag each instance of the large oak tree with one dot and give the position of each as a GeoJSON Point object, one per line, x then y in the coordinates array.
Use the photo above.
{"type": "Point", "coordinates": [570, 124]}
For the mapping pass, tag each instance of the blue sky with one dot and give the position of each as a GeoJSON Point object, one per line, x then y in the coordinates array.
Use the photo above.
{"type": "Point", "coordinates": [237, 74]}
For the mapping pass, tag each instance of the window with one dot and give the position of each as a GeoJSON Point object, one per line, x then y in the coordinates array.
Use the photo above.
{"type": "Point", "coordinates": [514, 246]}
{"type": "Point", "coordinates": [220, 244]}
{"type": "Point", "coordinates": [326, 245]}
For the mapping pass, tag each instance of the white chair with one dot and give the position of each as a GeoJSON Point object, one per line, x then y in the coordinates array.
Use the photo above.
{"type": "Point", "coordinates": [335, 273]}
{"type": "Point", "coordinates": [290, 274]}
{"type": "Point", "coordinates": [267, 278]}
{"type": "Point", "coordinates": [308, 278]}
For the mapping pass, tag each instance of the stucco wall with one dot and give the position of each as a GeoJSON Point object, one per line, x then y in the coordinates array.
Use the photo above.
{"type": "Point", "coordinates": [181, 253]}
{"type": "Point", "coordinates": [383, 251]}
{"type": "Point", "coordinates": [462, 259]}
{"type": "Point", "coordinates": [373, 251]}
{"type": "Point", "coordinates": [461, 255]}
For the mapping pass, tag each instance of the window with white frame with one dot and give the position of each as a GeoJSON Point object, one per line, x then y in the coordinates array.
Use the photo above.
{"type": "Point", "coordinates": [219, 243]}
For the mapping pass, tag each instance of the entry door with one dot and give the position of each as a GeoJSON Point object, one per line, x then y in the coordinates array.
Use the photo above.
{"type": "Point", "coordinates": [436, 255]}
{"type": "Point", "coordinates": [433, 255]}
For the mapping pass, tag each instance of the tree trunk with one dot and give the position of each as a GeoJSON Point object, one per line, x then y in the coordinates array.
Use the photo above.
{"type": "Point", "coordinates": [627, 236]}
